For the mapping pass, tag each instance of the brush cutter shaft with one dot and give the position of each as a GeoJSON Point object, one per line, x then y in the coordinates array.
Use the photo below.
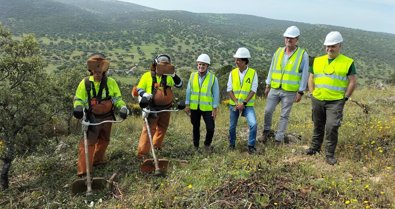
{"type": "Point", "coordinates": [88, 173]}
{"type": "Point", "coordinates": [152, 145]}
{"type": "Point", "coordinates": [85, 124]}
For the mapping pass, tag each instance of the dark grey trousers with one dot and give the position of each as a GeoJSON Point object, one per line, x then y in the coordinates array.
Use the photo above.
{"type": "Point", "coordinates": [327, 117]}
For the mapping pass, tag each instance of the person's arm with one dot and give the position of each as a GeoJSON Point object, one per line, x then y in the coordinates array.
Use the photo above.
{"type": "Point", "coordinates": [254, 88]}
{"type": "Point", "coordinates": [311, 83]}
{"type": "Point", "coordinates": [142, 85]}
{"type": "Point", "coordinates": [177, 81]}
{"type": "Point", "coordinates": [216, 98]}
{"type": "Point", "coordinates": [269, 77]}
{"type": "Point", "coordinates": [215, 93]}
{"type": "Point", "coordinates": [304, 68]}
{"type": "Point", "coordinates": [81, 97]}
{"type": "Point", "coordinates": [188, 97]}
{"type": "Point", "coordinates": [229, 89]}
{"type": "Point", "coordinates": [188, 93]}
{"type": "Point", "coordinates": [115, 93]}
{"type": "Point", "coordinates": [351, 85]}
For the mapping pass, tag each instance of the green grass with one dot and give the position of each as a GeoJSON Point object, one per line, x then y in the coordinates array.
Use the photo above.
{"type": "Point", "coordinates": [276, 177]}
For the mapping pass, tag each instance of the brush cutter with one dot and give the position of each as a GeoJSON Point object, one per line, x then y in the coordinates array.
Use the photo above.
{"type": "Point", "coordinates": [89, 184]}
{"type": "Point", "coordinates": [159, 166]}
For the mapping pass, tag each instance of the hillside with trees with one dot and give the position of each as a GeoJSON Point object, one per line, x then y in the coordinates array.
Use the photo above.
{"type": "Point", "coordinates": [131, 35]}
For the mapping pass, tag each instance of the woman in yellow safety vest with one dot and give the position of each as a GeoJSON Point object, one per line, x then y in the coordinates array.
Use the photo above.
{"type": "Point", "coordinates": [202, 100]}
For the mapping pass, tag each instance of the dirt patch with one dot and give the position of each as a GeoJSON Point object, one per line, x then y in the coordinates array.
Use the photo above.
{"type": "Point", "coordinates": [254, 192]}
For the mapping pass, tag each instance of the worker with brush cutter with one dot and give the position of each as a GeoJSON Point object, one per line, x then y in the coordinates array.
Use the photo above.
{"type": "Point", "coordinates": [97, 95]}
{"type": "Point", "coordinates": [155, 87]}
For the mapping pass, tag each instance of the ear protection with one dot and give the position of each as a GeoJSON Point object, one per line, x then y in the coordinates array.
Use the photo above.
{"type": "Point", "coordinates": [162, 58]}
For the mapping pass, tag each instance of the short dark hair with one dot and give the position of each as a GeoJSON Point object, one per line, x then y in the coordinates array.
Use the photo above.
{"type": "Point", "coordinates": [245, 60]}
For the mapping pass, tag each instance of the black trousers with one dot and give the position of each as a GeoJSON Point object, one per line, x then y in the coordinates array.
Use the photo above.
{"type": "Point", "coordinates": [210, 125]}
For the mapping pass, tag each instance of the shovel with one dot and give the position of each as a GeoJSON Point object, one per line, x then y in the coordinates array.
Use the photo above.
{"type": "Point", "coordinates": [89, 184]}
{"type": "Point", "coordinates": [150, 165]}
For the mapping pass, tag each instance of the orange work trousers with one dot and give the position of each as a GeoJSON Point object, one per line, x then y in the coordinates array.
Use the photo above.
{"type": "Point", "coordinates": [98, 140]}
{"type": "Point", "coordinates": [158, 125]}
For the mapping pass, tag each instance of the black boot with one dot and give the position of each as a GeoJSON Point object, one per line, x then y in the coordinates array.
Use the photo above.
{"type": "Point", "coordinates": [331, 160]}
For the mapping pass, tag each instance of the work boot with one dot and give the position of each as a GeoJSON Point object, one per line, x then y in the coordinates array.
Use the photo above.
{"type": "Point", "coordinates": [311, 151]}
{"type": "Point", "coordinates": [208, 148]}
{"type": "Point", "coordinates": [232, 147]}
{"type": "Point", "coordinates": [251, 150]}
{"type": "Point", "coordinates": [277, 142]}
{"type": "Point", "coordinates": [197, 150]}
{"type": "Point", "coordinates": [265, 136]}
{"type": "Point", "coordinates": [331, 160]}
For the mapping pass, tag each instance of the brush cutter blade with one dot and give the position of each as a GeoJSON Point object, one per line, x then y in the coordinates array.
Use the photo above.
{"type": "Point", "coordinates": [79, 185]}
{"type": "Point", "coordinates": [148, 166]}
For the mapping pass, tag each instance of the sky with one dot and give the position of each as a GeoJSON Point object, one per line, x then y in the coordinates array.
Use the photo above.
{"type": "Point", "coordinates": [370, 15]}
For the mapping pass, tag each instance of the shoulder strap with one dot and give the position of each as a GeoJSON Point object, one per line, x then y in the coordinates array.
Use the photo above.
{"type": "Point", "coordinates": [88, 87]}
{"type": "Point", "coordinates": [103, 85]}
{"type": "Point", "coordinates": [153, 76]}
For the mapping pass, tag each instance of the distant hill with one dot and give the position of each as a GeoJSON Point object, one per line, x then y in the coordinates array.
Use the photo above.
{"type": "Point", "coordinates": [133, 34]}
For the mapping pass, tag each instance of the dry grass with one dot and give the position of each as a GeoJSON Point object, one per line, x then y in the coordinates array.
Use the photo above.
{"type": "Point", "coordinates": [276, 177]}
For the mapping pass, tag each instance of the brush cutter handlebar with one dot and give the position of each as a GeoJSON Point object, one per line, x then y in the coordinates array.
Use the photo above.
{"type": "Point", "coordinates": [87, 123]}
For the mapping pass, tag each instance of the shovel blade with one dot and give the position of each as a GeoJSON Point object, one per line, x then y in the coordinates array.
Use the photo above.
{"type": "Point", "coordinates": [79, 185]}
{"type": "Point", "coordinates": [148, 166]}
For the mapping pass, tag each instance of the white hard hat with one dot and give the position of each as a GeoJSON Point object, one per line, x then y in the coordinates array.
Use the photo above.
{"type": "Point", "coordinates": [334, 37]}
{"type": "Point", "coordinates": [242, 52]}
{"type": "Point", "coordinates": [203, 58]}
{"type": "Point", "coordinates": [292, 32]}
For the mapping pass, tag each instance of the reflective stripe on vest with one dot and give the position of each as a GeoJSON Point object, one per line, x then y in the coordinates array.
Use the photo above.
{"type": "Point", "coordinates": [201, 96]}
{"type": "Point", "coordinates": [242, 90]}
{"type": "Point", "coordinates": [288, 76]}
{"type": "Point", "coordinates": [331, 80]}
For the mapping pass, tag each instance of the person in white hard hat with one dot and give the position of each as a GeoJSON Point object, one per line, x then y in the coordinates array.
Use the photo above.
{"type": "Point", "coordinates": [285, 82]}
{"type": "Point", "coordinates": [332, 81]}
{"type": "Point", "coordinates": [202, 100]}
{"type": "Point", "coordinates": [242, 86]}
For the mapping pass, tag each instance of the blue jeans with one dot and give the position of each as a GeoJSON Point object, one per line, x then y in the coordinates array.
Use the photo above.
{"type": "Point", "coordinates": [249, 113]}
{"type": "Point", "coordinates": [273, 99]}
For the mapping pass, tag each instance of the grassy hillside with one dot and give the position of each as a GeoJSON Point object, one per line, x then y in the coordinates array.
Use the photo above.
{"type": "Point", "coordinates": [276, 177]}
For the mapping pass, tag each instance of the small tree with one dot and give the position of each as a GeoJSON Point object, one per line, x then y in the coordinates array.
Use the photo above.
{"type": "Point", "coordinates": [25, 101]}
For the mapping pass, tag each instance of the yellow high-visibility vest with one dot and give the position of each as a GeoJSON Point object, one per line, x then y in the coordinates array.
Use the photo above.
{"type": "Point", "coordinates": [288, 76]}
{"type": "Point", "coordinates": [81, 96]}
{"type": "Point", "coordinates": [241, 90]}
{"type": "Point", "coordinates": [331, 80]}
{"type": "Point", "coordinates": [201, 96]}
{"type": "Point", "coordinates": [146, 82]}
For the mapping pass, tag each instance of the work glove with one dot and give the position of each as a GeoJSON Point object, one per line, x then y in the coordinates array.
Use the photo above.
{"type": "Point", "coordinates": [143, 102]}
{"type": "Point", "coordinates": [124, 112]}
{"type": "Point", "coordinates": [147, 96]}
{"type": "Point", "coordinates": [78, 112]}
